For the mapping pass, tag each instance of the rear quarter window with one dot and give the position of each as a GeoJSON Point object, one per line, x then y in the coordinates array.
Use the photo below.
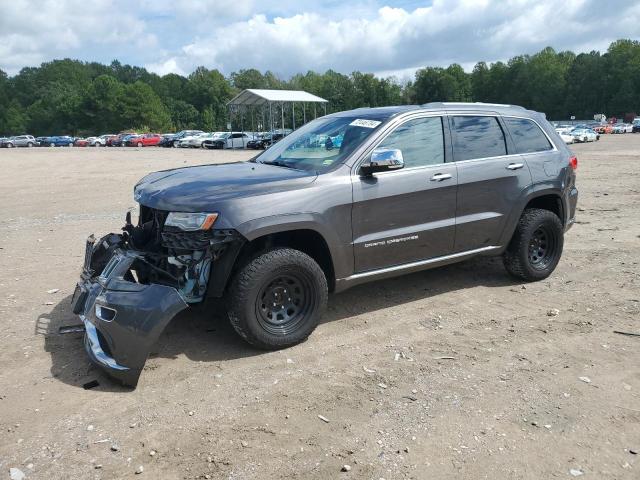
{"type": "Point", "coordinates": [527, 135]}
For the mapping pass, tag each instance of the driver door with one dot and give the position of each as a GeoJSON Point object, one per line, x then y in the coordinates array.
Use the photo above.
{"type": "Point", "coordinates": [407, 215]}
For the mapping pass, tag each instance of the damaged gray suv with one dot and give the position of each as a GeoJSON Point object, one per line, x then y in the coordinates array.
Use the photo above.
{"type": "Point", "coordinates": [348, 198]}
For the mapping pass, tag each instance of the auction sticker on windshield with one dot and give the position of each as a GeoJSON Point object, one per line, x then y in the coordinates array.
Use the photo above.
{"type": "Point", "coordinates": [360, 122]}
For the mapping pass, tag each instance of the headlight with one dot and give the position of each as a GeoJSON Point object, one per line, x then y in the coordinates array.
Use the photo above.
{"type": "Point", "coordinates": [191, 221]}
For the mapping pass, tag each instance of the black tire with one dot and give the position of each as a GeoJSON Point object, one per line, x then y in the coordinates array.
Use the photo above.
{"type": "Point", "coordinates": [30, 144]}
{"type": "Point", "coordinates": [273, 276]}
{"type": "Point", "coordinates": [536, 246]}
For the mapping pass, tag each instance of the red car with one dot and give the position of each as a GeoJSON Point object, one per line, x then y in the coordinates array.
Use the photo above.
{"type": "Point", "coordinates": [145, 140]}
{"type": "Point", "coordinates": [81, 142]}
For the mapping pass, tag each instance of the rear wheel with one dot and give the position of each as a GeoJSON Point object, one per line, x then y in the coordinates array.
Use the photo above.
{"type": "Point", "coordinates": [276, 299]}
{"type": "Point", "coordinates": [9, 145]}
{"type": "Point", "coordinates": [536, 245]}
{"type": "Point", "coordinates": [52, 144]}
{"type": "Point", "coordinates": [139, 144]}
{"type": "Point", "coordinates": [30, 144]}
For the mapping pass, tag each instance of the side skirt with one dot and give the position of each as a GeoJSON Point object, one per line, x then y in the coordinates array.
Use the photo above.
{"type": "Point", "coordinates": [396, 270]}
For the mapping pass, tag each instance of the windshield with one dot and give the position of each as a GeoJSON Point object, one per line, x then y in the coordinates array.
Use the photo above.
{"type": "Point", "coordinates": [322, 143]}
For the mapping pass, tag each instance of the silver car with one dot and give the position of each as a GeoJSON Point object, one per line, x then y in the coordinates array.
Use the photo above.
{"type": "Point", "coordinates": [20, 141]}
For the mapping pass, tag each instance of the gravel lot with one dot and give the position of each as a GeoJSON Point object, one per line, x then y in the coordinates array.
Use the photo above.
{"type": "Point", "coordinates": [453, 373]}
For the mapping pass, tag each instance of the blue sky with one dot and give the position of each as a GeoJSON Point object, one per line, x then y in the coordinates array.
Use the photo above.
{"type": "Point", "coordinates": [288, 36]}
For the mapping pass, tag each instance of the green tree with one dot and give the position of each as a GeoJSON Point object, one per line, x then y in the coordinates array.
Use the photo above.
{"type": "Point", "coordinates": [103, 104]}
{"type": "Point", "coordinates": [208, 89]}
{"type": "Point", "coordinates": [622, 79]}
{"type": "Point", "coordinates": [141, 106]}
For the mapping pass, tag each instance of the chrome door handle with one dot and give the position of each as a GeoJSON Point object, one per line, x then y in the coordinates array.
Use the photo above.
{"type": "Point", "coordinates": [515, 166]}
{"type": "Point", "coordinates": [438, 177]}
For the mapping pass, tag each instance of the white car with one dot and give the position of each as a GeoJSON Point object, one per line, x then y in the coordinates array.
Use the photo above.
{"type": "Point", "coordinates": [228, 140]}
{"type": "Point", "coordinates": [564, 128]}
{"type": "Point", "coordinates": [566, 138]}
{"type": "Point", "coordinates": [100, 141]}
{"type": "Point", "coordinates": [195, 141]}
{"type": "Point", "coordinates": [584, 135]}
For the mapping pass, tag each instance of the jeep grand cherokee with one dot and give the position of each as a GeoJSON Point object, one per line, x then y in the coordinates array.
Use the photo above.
{"type": "Point", "coordinates": [408, 188]}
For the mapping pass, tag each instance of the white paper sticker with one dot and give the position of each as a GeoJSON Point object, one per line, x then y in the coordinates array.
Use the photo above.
{"type": "Point", "coordinates": [361, 122]}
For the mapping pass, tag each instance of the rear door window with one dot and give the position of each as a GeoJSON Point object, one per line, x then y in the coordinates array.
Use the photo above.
{"type": "Point", "coordinates": [527, 136]}
{"type": "Point", "coordinates": [477, 137]}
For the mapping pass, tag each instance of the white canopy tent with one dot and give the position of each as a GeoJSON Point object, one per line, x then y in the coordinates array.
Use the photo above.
{"type": "Point", "coordinates": [254, 101]}
{"type": "Point", "coordinates": [255, 96]}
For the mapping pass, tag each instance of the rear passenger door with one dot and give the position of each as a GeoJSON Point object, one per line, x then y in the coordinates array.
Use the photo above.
{"type": "Point", "coordinates": [541, 156]}
{"type": "Point", "coordinates": [491, 178]}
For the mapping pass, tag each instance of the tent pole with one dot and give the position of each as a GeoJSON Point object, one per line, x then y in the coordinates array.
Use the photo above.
{"type": "Point", "coordinates": [241, 129]}
{"type": "Point", "coordinates": [271, 119]}
{"type": "Point", "coordinates": [253, 126]}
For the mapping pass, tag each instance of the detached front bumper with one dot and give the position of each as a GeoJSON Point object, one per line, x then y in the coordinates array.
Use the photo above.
{"type": "Point", "coordinates": [122, 318]}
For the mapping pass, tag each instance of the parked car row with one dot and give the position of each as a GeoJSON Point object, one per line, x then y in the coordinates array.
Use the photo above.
{"type": "Point", "coordinates": [577, 134]}
{"type": "Point", "coordinates": [182, 139]}
{"type": "Point", "coordinates": [602, 128]}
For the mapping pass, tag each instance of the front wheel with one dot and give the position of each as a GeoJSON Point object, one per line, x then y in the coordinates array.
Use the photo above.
{"type": "Point", "coordinates": [276, 299]}
{"type": "Point", "coordinates": [536, 245]}
{"type": "Point", "coordinates": [139, 144]}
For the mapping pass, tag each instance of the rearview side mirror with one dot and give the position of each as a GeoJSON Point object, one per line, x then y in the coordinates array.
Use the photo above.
{"type": "Point", "coordinates": [383, 160]}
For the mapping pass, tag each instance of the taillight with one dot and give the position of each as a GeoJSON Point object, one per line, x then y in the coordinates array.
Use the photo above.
{"type": "Point", "coordinates": [573, 161]}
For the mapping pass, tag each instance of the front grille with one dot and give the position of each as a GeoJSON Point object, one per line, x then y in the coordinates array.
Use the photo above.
{"type": "Point", "coordinates": [177, 239]}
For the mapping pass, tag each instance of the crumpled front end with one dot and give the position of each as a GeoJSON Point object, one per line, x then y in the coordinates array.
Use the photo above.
{"type": "Point", "coordinates": [122, 318]}
{"type": "Point", "coordinates": [134, 283]}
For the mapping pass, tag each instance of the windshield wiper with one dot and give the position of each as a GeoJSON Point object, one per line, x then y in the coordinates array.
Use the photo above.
{"type": "Point", "coordinates": [279, 163]}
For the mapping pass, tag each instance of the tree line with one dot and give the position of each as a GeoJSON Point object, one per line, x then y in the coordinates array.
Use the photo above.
{"type": "Point", "coordinates": [83, 98]}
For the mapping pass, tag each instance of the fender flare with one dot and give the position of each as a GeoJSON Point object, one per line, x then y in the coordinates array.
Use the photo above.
{"type": "Point", "coordinates": [530, 193]}
{"type": "Point", "coordinates": [341, 258]}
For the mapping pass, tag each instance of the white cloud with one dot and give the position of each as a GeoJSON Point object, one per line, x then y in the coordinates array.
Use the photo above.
{"type": "Point", "coordinates": [290, 36]}
{"type": "Point", "coordinates": [163, 68]}
{"type": "Point", "coordinates": [396, 40]}
{"type": "Point", "coordinates": [33, 32]}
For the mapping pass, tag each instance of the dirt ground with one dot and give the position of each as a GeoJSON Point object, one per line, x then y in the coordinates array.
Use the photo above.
{"type": "Point", "coordinates": [452, 373]}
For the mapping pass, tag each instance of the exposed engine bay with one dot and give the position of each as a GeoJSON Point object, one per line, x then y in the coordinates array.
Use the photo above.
{"type": "Point", "coordinates": [167, 255]}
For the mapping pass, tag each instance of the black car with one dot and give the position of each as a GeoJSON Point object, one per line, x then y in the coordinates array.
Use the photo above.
{"type": "Point", "coordinates": [408, 188]}
{"type": "Point", "coordinates": [264, 141]}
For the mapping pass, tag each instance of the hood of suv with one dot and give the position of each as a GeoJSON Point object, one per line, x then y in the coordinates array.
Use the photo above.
{"type": "Point", "coordinates": [199, 189]}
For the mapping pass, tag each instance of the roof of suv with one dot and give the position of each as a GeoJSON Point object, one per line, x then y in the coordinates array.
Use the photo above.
{"type": "Point", "coordinates": [499, 108]}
